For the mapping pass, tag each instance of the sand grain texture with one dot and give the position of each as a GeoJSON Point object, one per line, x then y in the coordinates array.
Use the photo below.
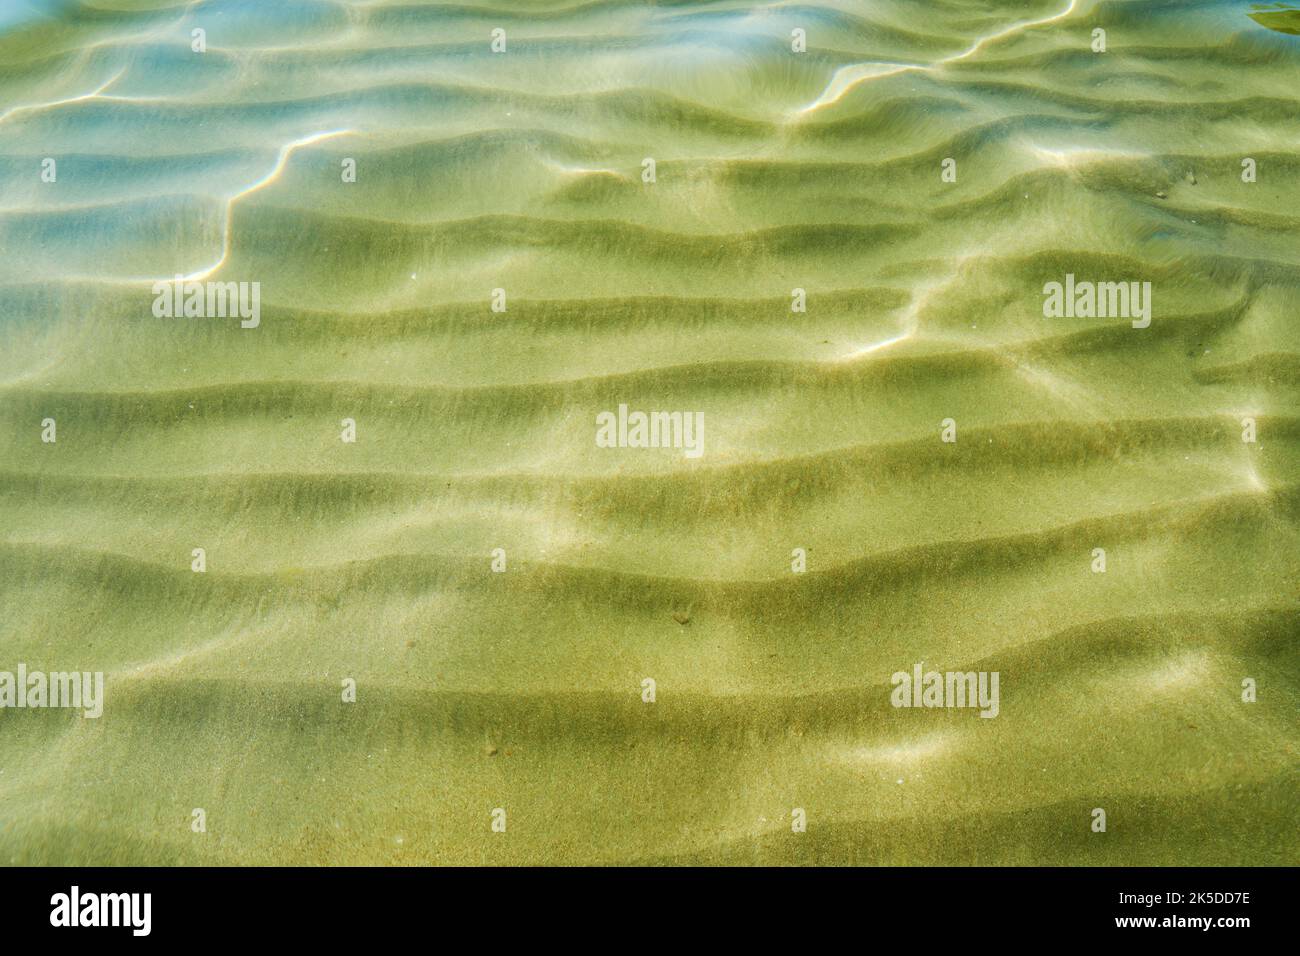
{"type": "Point", "coordinates": [522, 690]}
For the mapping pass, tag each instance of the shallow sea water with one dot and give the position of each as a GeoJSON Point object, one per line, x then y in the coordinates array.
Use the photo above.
{"type": "Point", "coordinates": [475, 430]}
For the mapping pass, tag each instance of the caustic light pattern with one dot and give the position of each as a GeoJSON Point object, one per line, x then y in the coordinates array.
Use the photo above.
{"type": "Point", "coordinates": [731, 432]}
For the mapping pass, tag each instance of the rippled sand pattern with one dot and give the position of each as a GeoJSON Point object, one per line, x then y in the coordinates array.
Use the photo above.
{"type": "Point", "coordinates": [522, 690]}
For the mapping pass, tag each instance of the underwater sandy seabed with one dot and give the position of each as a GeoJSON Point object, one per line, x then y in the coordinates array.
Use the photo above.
{"type": "Point", "coordinates": [774, 170]}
